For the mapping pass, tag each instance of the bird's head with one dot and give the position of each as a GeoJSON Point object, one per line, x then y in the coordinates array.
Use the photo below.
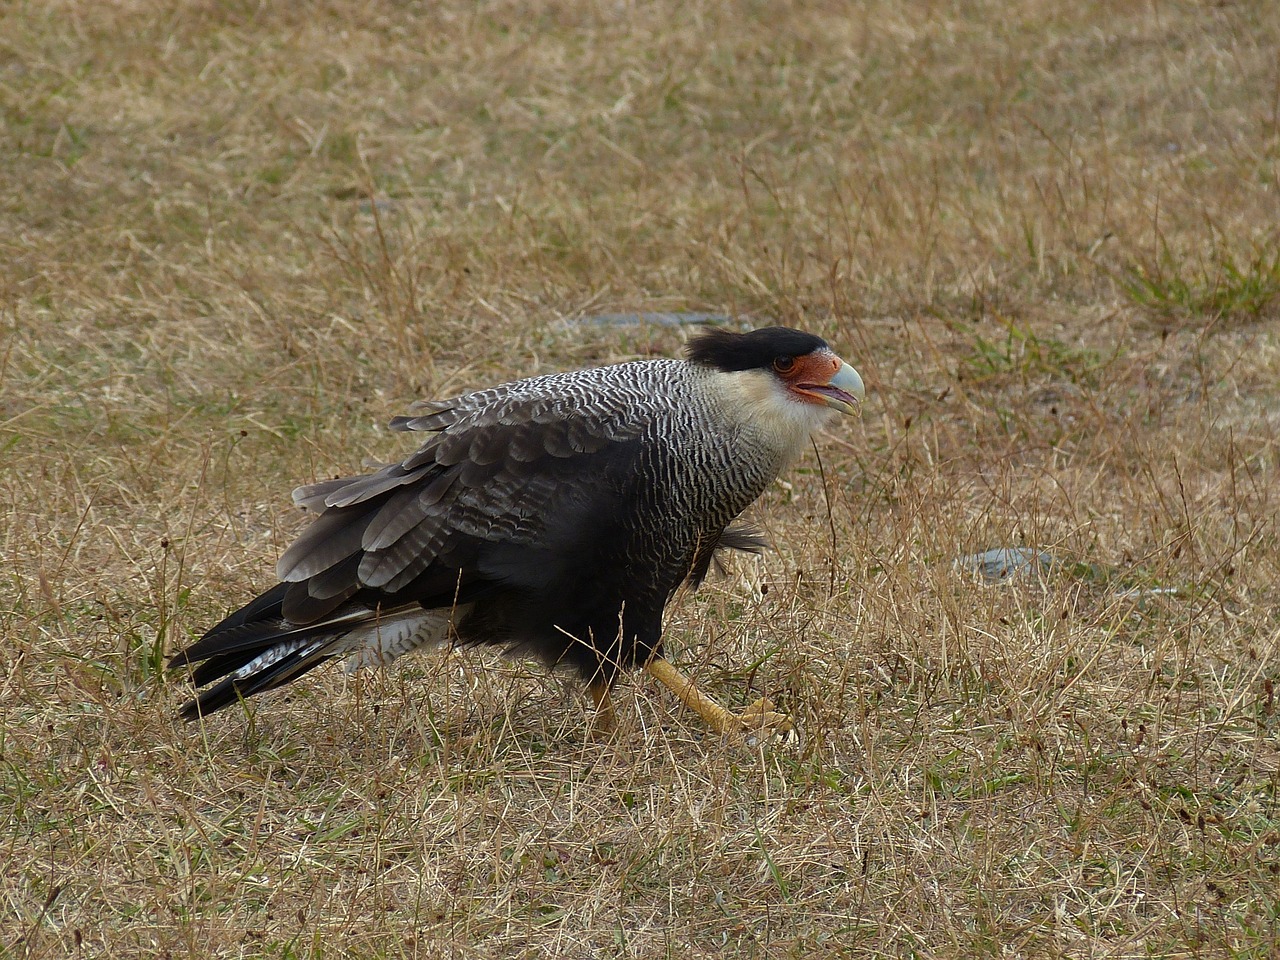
{"type": "Point", "coordinates": [785, 364]}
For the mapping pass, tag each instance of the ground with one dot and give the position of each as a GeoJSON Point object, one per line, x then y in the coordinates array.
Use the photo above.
{"type": "Point", "coordinates": [236, 238]}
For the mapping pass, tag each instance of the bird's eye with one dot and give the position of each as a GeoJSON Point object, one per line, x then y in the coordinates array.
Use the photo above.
{"type": "Point", "coordinates": [784, 364]}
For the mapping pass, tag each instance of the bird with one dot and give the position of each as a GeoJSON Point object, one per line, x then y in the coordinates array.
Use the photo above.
{"type": "Point", "coordinates": [554, 516]}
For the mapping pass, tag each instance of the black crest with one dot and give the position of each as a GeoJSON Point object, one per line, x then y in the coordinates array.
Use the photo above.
{"type": "Point", "coordinates": [728, 351]}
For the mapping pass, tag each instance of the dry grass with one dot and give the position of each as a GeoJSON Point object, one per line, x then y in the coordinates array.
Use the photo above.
{"type": "Point", "coordinates": [236, 238]}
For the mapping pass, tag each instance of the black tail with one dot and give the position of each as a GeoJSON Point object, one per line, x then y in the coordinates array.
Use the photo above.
{"type": "Point", "coordinates": [252, 651]}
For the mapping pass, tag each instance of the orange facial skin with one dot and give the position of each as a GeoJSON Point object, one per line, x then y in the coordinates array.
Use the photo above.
{"type": "Point", "coordinates": [822, 378]}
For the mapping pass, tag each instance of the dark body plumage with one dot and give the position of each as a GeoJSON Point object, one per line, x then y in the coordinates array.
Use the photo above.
{"type": "Point", "coordinates": [555, 516]}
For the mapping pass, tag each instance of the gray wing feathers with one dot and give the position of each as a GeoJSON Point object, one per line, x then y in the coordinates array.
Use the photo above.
{"type": "Point", "coordinates": [397, 566]}
{"type": "Point", "coordinates": [312, 496]}
{"type": "Point", "coordinates": [336, 583]}
{"type": "Point", "coordinates": [404, 511]}
{"type": "Point", "coordinates": [490, 471]}
{"type": "Point", "coordinates": [331, 538]}
{"type": "Point", "coordinates": [367, 488]}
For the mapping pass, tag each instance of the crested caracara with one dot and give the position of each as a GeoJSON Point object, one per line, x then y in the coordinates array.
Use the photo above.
{"type": "Point", "coordinates": [553, 516]}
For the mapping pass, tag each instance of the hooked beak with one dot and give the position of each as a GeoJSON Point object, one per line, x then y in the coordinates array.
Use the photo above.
{"type": "Point", "coordinates": [844, 391]}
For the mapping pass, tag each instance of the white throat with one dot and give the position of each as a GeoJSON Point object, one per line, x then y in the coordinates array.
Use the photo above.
{"type": "Point", "coordinates": [760, 406]}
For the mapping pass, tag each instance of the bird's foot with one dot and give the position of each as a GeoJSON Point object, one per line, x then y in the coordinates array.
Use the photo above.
{"type": "Point", "coordinates": [762, 724]}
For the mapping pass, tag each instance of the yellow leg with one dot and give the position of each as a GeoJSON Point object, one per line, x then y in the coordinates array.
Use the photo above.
{"type": "Point", "coordinates": [715, 716]}
{"type": "Point", "coordinates": [755, 719]}
{"type": "Point", "coordinates": [606, 720]}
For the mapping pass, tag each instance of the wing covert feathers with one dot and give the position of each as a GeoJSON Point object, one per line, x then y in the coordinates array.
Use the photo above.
{"type": "Point", "coordinates": [492, 467]}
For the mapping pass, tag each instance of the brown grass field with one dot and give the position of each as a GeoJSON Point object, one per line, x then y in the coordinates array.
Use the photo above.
{"type": "Point", "coordinates": [235, 238]}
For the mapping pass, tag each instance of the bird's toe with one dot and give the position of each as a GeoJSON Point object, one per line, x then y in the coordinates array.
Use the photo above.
{"type": "Point", "coordinates": [763, 724]}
